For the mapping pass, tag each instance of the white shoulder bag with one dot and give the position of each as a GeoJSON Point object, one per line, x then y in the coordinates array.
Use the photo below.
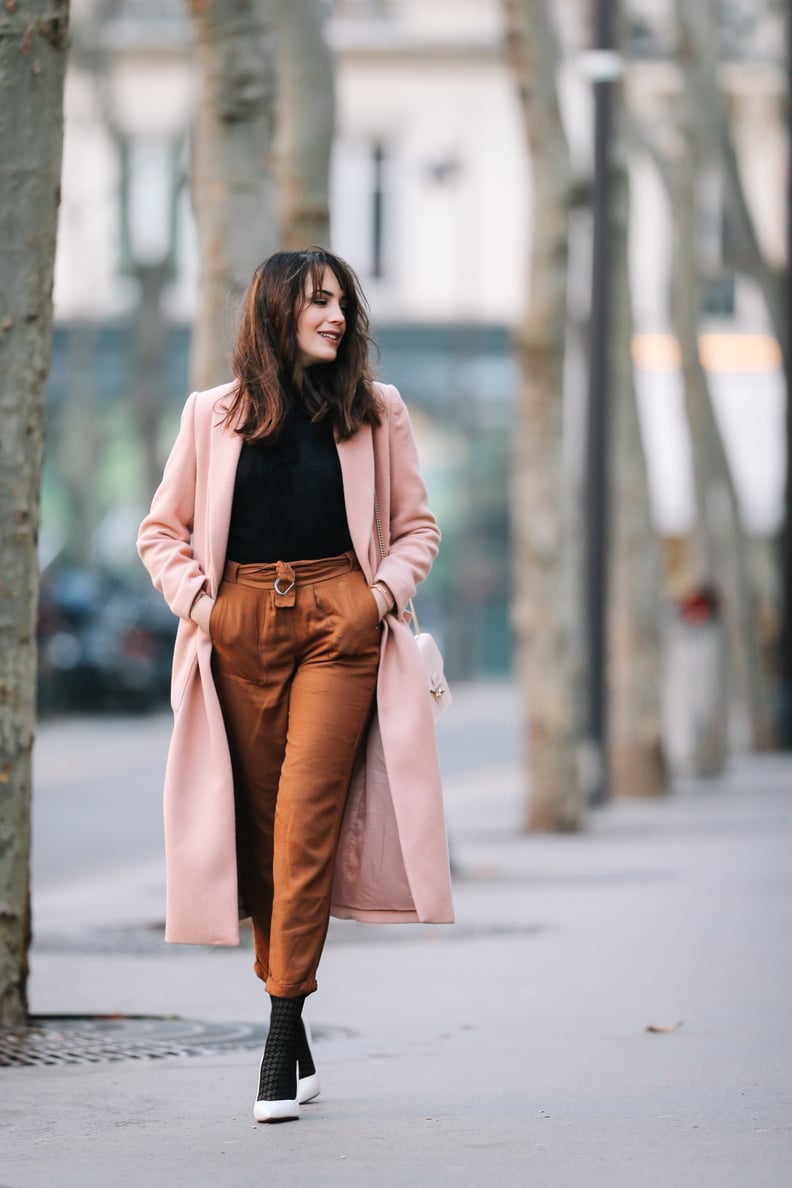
{"type": "Point", "coordinates": [430, 654]}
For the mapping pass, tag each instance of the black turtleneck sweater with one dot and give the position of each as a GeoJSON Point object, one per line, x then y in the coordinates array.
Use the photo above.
{"type": "Point", "coordinates": [289, 497]}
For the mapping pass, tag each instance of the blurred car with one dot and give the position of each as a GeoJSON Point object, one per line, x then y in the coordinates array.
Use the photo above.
{"type": "Point", "coordinates": [103, 644]}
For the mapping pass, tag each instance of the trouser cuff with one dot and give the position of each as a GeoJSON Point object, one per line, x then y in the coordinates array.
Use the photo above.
{"type": "Point", "coordinates": [290, 990]}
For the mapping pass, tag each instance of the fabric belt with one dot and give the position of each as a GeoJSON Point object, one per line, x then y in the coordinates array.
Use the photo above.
{"type": "Point", "coordinates": [285, 576]}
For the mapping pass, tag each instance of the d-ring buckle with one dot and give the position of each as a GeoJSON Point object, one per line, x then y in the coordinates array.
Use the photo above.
{"type": "Point", "coordinates": [278, 589]}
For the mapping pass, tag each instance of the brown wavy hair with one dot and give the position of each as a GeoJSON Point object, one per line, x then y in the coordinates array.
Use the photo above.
{"type": "Point", "coordinates": [265, 360]}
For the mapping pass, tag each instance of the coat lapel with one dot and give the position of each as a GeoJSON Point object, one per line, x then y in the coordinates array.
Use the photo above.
{"type": "Point", "coordinates": [224, 450]}
{"type": "Point", "coordinates": [356, 455]}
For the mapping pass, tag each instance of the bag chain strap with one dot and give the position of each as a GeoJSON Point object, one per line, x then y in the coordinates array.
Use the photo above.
{"type": "Point", "coordinates": [383, 554]}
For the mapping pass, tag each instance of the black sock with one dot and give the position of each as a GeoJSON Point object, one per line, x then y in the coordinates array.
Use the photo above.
{"type": "Point", "coordinates": [278, 1077]}
{"type": "Point", "coordinates": [304, 1057]}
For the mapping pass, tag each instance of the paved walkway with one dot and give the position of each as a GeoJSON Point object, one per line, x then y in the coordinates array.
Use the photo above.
{"type": "Point", "coordinates": [511, 1048]}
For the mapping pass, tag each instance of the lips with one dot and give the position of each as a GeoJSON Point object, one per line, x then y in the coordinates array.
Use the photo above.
{"type": "Point", "coordinates": [329, 336]}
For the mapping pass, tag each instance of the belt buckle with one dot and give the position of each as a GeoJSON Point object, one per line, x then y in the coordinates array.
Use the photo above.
{"type": "Point", "coordinates": [284, 584]}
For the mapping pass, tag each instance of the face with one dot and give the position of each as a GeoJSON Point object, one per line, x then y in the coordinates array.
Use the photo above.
{"type": "Point", "coordinates": [321, 321]}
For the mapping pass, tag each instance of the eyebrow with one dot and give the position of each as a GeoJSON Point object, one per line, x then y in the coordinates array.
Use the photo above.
{"type": "Point", "coordinates": [328, 293]}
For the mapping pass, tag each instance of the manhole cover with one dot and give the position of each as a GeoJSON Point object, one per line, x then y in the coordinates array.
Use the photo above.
{"type": "Point", "coordinates": [133, 940]}
{"type": "Point", "coordinates": [72, 1039]}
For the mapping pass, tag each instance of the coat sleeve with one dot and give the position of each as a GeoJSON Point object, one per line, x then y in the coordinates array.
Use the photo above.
{"type": "Point", "coordinates": [412, 534]}
{"type": "Point", "coordinates": [165, 537]}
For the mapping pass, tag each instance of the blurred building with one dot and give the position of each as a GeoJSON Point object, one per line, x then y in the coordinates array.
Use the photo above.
{"type": "Point", "coordinates": [431, 204]}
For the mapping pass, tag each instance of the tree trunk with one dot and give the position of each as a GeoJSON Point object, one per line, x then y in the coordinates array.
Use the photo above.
{"type": "Point", "coordinates": [545, 600]}
{"type": "Point", "coordinates": [719, 546]}
{"type": "Point", "coordinates": [712, 482]}
{"type": "Point", "coordinates": [636, 759]}
{"type": "Point", "coordinates": [306, 123]}
{"type": "Point", "coordinates": [785, 544]}
{"type": "Point", "coordinates": [33, 38]}
{"type": "Point", "coordinates": [699, 24]}
{"type": "Point", "coordinates": [233, 186]}
{"type": "Point", "coordinates": [150, 338]}
{"type": "Point", "coordinates": [76, 443]}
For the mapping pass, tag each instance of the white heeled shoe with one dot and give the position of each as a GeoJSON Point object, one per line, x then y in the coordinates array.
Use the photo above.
{"type": "Point", "coordinates": [276, 1111]}
{"type": "Point", "coordinates": [284, 1110]}
{"type": "Point", "coordinates": [308, 1087]}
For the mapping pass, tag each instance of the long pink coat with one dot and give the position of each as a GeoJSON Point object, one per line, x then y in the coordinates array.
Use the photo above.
{"type": "Point", "coordinates": [392, 862]}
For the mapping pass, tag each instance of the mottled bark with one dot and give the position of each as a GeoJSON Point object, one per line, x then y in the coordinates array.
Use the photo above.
{"type": "Point", "coordinates": [546, 611]}
{"type": "Point", "coordinates": [306, 123]}
{"type": "Point", "coordinates": [33, 36]}
{"type": "Point", "coordinates": [636, 760]}
{"type": "Point", "coordinates": [233, 185]}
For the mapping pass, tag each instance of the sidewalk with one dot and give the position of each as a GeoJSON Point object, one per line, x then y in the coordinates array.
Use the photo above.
{"type": "Point", "coordinates": [511, 1048]}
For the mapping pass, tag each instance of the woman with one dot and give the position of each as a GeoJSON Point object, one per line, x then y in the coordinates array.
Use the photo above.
{"type": "Point", "coordinates": [288, 534]}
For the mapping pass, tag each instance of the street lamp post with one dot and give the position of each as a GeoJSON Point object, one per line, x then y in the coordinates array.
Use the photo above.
{"type": "Point", "coordinates": [603, 65]}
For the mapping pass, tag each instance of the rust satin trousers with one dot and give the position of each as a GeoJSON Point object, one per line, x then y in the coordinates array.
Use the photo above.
{"type": "Point", "coordinates": [296, 649]}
